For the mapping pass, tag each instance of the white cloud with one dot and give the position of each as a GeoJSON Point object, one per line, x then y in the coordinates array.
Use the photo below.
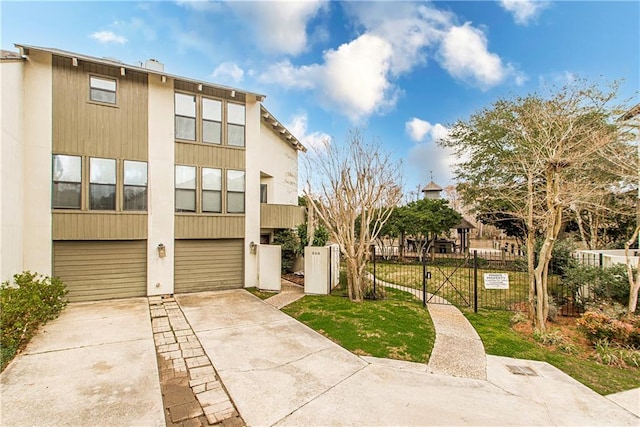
{"type": "Point", "coordinates": [524, 11]}
{"type": "Point", "coordinates": [419, 129]}
{"type": "Point", "coordinates": [228, 71]}
{"type": "Point", "coordinates": [464, 54]}
{"type": "Point", "coordinates": [108, 37]}
{"type": "Point", "coordinates": [279, 26]}
{"type": "Point", "coordinates": [562, 78]}
{"type": "Point", "coordinates": [353, 78]}
{"type": "Point", "coordinates": [315, 141]}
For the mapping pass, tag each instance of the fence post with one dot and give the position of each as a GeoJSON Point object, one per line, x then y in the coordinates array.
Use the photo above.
{"type": "Point", "coordinates": [424, 278]}
{"type": "Point", "coordinates": [601, 259]}
{"type": "Point", "coordinates": [475, 280]}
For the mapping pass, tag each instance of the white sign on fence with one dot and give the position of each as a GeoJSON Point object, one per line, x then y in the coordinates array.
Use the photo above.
{"type": "Point", "coordinates": [496, 280]}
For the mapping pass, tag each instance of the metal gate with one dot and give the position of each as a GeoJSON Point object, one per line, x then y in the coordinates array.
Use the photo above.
{"type": "Point", "coordinates": [450, 280]}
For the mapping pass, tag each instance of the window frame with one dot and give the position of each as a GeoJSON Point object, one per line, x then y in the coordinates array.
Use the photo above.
{"type": "Point", "coordinates": [102, 185]}
{"type": "Point", "coordinates": [103, 90]}
{"type": "Point", "coordinates": [233, 192]}
{"type": "Point", "coordinates": [204, 120]}
{"type": "Point", "coordinates": [55, 182]}
{"type": "Point", "coordinates": [204, 191]}
{"type": "Point", "coordinates": [135, 186]}
{"type": "Point", "coordinates": [194, 190]}
{"type": "Point", "coordinates": [230, 125]}
{"type": "Point", "coordinates": [194, 118]}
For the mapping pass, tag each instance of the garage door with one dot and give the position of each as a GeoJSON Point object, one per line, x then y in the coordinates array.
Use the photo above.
{"type": "Point", "coordinates": [101, 270]}
{"type": "Point", "coordinates": [206, 265]}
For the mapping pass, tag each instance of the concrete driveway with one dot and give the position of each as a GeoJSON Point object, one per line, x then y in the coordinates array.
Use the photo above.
{"type": "Point", "coordinates": [280, 372]}
{"type": "Point", "coordinates": [94, 365]}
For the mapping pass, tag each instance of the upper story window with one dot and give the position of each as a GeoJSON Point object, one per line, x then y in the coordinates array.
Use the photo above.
{"type": "Point", "coordinates": [135, 186]}
{"type": "Point", "coordinates": [102, 184]}
{"type": "Point", "coordinates": [185, 116]}
{"type": "Point", "coordinates": [211, 121]}
{"type": "Point", "coordinates": [235, 124]}
{"type": "Point", "coordinates": [102, 89]}
{"type": "Point", "coordinates": [263, 193]}
{"type": "Point", "coordinates": [211, 190]}
{"type": "Point", "coordinates": [235, 191]}
{"type": "Point", "coordinates": [67, 182]}
{"type": "Point", "coordinates": [185, 188]}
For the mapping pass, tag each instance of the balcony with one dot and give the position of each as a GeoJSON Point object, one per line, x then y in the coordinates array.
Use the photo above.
{"type": "Point", "coordinates": [280, 216]}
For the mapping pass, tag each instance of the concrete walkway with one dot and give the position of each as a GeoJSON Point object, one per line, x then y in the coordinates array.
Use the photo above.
{"type": "Point", "coordinates": [289, 292]}
{"type": "Point", "coordinates": [280, 372]}
{"type": "Point", "coordinates": [458, 349]}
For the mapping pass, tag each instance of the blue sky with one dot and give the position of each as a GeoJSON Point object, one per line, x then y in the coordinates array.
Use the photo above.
{"type": "Point", "coordinates": [402, 71]}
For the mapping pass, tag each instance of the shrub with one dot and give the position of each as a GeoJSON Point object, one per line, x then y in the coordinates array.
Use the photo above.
{"type": "Point", "coordinates": [290, 246]}
{"type": "Point", "coordinates": [600, 326]}
{"type": "Point", "coordinates": [25, 305]}
{"type": "Point", "coordinates": [320, 236]}
{"type": "Point", "coordinates": [595, 284]}
{"type": "Point", "coordinates": [556, 339]}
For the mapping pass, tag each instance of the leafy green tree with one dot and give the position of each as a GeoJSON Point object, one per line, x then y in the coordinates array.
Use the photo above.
{"type": "Point", "coordinates": [535, 156]}
{"type": "Point", "coordinates": [426, 219]}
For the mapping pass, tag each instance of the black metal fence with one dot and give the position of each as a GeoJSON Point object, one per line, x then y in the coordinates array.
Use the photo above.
{"type": "Point", "coordinates": [494, 279]}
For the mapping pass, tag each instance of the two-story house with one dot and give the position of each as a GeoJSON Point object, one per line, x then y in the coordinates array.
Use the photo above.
{"type": "Point", "coordinates": [124, 180]}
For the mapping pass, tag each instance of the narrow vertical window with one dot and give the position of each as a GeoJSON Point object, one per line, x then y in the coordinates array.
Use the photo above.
{"type": "Point", "coordinates": [102, 90]}
{"type": "Point", "coordinates": [263, 193]}
{"type": "Point", "coordinates": [185, 116]}
{"type": "Point", "coordinates": [185, 188]}
{"type": "Point", "coordinates": [235, 191]}
{"type": "Point", "coordinates": [211, 121]}
{"type": "Point", "coordinates": [211, 190]}
{"type": "Point", "coordinates": [235, 125]}
{"type": "Point", "coordinates": [102, 184]}
{"type": "Point", "coordinates": [135, 186]}
{"type": "Point", "coordinates": [67, 182]}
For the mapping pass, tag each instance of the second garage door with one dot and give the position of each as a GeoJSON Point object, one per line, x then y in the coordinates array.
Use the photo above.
{"type": "Point", "coordinates": [207, 265]}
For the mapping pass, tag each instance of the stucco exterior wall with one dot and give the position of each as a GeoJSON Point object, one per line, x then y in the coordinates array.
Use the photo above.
{"type": "Point", "coordinates": [11, 167]}
{"type": "Point", "coordinates": [161, 187]}
{"type": "Point", "coordinates": [279, 160]}
{"type": "Point", "coordinates": [252, 191]}
{"type": "Point", "coordinates": [37, 99]}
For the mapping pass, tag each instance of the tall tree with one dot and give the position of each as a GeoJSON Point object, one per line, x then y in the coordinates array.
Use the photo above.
{"type": "Point", "coordinates": [535, 155]}
{"type": "Point", "coordinates": [426, 219]}
{"type": "Point", "coordinates": [351, 183]}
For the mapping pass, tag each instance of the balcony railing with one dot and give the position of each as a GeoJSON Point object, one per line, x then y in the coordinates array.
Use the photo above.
{"type": "Point", "coordinates": [280, 216]}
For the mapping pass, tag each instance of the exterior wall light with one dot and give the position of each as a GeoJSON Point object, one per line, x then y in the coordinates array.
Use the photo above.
{"type": "Point", "coordinates": [162, 250]}
{"type": "Point", "coordinates": [252, 248]}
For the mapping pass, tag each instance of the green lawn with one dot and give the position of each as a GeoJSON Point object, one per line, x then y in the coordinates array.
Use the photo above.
{"type": "Point", "coordinates": [397, 327]}
{"type": "Point", "coordinates": [500, 339]}
{"type": "Point", "coordinates": [261, 294]}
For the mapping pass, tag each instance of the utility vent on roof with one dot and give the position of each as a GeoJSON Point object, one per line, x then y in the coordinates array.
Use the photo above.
{"type": "Point", "coordinates": [154, 64]}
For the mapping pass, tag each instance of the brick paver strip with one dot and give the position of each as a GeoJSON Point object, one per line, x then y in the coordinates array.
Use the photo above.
{"type": "Point", "coordinates": [190, 388]}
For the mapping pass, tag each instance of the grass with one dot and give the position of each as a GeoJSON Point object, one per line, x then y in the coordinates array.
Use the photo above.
{"type": "Point", "coordinates": [397, 327]}
{"type": "Point", "coordinates": [261, 294]}
{"type": "Point", "coordinates": [501, 340]}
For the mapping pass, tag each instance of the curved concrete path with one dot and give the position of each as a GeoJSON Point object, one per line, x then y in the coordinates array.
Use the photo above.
{"type": "Point", "coordinates": [458, 349]}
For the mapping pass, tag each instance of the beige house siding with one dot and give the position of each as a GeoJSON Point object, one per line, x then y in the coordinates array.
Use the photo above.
{"type": "Point", "coordinates": [208, 227]}
{"type": "Point", "coordinates": [280, 216]}
{"type": "Point", "coordinates": [209, 156]}
{"type": "Point", "coordinates": [81, 126]}
{"type": "Point", "coordinates": [92, 226]}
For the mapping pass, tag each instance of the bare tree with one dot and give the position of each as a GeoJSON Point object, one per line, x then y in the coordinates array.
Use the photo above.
{"type": "Point", "coordinates": [533, 157]}
{"type": "Point", "coordinates": [353, 188]}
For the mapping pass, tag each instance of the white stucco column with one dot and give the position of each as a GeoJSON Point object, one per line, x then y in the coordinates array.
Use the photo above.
{"type": "Point", "coordinates": [37, 125]}
{"type": "Point", "coordinates": [11, 169]}
{"type": "Point", "coordinates": [252, 192]}
{"type": "Point", "coordinates": [160, 187]}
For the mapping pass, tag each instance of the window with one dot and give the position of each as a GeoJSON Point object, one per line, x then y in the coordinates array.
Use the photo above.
{"type": "Point", "coordinates": [211, 190]}
{"type": "Point", "coordinates": [102, 184]}
{"type": "Point", "coordinates": [185, 188]}
{"type": "Point", "coordinates": [135, 186]}
{"type": "Point", "coordinates": [185, 116]}
{"type": "Point", "coordinates": [102, 90]}
{"type": "Point", "coordinates": [67, 182]}
{"type": "Point", "coordinates": [211, 121]}
{"type": "Point", "coordinates": [263, 193]}
{"type": "Point", "coordinates": [235, 191]}
{"type": "Point", "coordinates": [235, 125]}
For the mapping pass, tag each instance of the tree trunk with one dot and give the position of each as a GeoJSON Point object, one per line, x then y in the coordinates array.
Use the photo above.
{"type": "Point", "coordinates": [634, 282]}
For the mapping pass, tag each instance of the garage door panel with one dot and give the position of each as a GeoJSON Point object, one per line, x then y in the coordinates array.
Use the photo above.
{"type": "Point", "coordinates": [97, 270]}
{"type": "Point", "coordinates": [205, 265]}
